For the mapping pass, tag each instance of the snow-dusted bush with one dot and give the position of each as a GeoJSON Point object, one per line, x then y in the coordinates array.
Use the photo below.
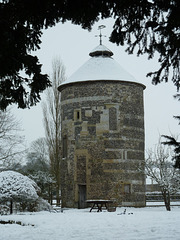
{"type": "Point", "coordinates": [17, 187]}
{"type": "Point", "coordinates": [4, 209]}
{"type": "Point", "coordinates": [34, 206]}
{"type": "Point", "coordinates": [44, 180]}
{"type": "Point", "coordinates": [43, 205]}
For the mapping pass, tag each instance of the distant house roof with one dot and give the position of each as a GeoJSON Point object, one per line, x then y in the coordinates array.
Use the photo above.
{"type": "Point", "coordinates": [101, 66]}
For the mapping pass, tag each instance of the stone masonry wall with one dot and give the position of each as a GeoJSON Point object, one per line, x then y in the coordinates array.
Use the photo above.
{"type": "Point", "coordinates": [103, 124]}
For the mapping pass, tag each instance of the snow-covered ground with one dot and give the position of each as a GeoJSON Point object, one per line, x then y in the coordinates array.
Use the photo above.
{"type": "Point", "coordinates": [150, 223]}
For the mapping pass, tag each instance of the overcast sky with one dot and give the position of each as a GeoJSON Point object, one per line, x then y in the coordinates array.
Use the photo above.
{"type": "Point", "coordinates": [72, 44]}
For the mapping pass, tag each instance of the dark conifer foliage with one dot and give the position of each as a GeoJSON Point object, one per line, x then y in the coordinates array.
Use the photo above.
{"type": "Point", "coordinates": [150, 27]}
{"type": "Point", "coordinates": [171, 141]}
{"type": "Point", "coordinates": [147, 26]}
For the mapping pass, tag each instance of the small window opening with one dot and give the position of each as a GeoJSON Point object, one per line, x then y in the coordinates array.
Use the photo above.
{"type": "Point", "coordinates": [127, 188]}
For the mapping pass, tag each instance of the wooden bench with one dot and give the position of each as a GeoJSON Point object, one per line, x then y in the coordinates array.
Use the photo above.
{"type": "Point", "coordinates": [101, 204]}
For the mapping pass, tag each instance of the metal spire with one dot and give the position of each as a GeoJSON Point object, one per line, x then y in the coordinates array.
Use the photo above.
{"type": "Point", "coordinates": [100, 35]}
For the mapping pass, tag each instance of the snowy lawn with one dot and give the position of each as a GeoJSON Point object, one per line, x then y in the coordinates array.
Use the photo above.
{"type": "Point", "coordinates": [153, 223]}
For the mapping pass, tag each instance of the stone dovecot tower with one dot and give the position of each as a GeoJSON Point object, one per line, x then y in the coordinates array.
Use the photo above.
{"type": "Point", "coordinates": [102, 134]}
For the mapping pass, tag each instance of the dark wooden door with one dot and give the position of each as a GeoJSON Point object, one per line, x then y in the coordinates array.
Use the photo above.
{"type": "Point", "coordinates": [82, 196]}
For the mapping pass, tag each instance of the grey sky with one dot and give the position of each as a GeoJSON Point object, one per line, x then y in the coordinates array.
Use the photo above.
{"type": "Point", "coordinates": [72, 44]}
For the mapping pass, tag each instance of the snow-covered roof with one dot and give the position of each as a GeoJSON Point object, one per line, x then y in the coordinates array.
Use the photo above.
{"type": "Point", "coordinates": [101, 66]}
{"type": "Point", "coordinates": [101, 50]}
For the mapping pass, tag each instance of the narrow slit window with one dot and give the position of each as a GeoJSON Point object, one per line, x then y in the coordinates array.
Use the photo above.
{"type": "Point", "coordinates": [78, 115]}
{"type": "Point", "coordinates": [112, 119]}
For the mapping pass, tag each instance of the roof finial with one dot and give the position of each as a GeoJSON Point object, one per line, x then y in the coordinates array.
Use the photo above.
{"type": "Point", "coordinates": [100, 35]}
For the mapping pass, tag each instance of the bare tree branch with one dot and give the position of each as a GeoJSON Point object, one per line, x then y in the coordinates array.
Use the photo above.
{"type": "Point", "coordinates": [52, 121]}
{"type": "Point", "coordinates": [11, 141]}
{"type": "Point", "coordinates": [159, 167]}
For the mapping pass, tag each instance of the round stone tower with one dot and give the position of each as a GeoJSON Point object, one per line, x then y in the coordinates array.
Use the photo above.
{"type": "Point", "coordinates": [102, 134]}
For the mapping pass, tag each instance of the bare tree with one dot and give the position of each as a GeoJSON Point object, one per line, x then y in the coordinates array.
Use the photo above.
{"type": "Point", "coordinates": [11, 141]}
{"type": "Point", "coordinates": [37, 167]}
{"type": "Point", "coordinates": [159, 167]}
{"type": "Point", "coordinates": [52, 122]}
{"type": "Point", "coordinates": [38, 155]}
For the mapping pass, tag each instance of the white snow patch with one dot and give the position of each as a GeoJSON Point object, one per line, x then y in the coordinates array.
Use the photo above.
{"type": "Point", "coordinates": [143, 224]}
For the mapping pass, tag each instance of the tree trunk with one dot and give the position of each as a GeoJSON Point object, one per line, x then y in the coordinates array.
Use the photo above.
{"type": "Point", "coordinates": [57, 171]}
{"type": "Point", "coordinates": [50, 195]}
{"type": "Point", "coordinates": [57, 194]}
{"type": "Point", "coordinates": [11, 207]}
{"type": "Point", "coordinates": [166, 196]}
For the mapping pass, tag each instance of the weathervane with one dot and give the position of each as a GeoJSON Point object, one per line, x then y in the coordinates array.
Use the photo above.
{"type": "Point", "coordinates": [100, 35]}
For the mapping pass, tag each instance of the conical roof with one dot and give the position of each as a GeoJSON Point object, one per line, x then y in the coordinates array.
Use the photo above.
{"type": "Point", "coordinates": [100, 67]}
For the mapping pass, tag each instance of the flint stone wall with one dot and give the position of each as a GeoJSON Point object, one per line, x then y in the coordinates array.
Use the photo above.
{"type": "Point", "coordinates": [104, 126]}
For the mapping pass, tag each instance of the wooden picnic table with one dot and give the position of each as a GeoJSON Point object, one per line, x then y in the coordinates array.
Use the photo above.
{"type": "Point", "coordinates": [98, 204]}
